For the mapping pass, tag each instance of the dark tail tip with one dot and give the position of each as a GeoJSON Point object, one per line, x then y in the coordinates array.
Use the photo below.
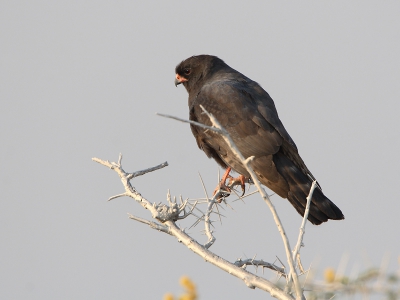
{"type": "Point", "coordinates": [321, 209]}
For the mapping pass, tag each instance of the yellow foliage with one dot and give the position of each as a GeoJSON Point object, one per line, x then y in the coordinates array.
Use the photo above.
{"type": "Point", "coordinates": [329, 275]}
{"type": "Point", "coordinates": [187, 284]}
{"type": "Point", "coordinates": [191, 293]}
{"type": "Point", "coordinates": [168, 297]}
{"type": "Point", "coordinates": [190, 290]}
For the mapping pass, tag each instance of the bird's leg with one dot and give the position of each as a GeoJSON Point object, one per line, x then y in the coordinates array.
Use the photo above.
{"type": "Point", "coordinates": [221, 185]}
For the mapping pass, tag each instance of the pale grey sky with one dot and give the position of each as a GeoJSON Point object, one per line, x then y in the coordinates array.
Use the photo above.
{"type": "Point", "coordinates": [85, 78]}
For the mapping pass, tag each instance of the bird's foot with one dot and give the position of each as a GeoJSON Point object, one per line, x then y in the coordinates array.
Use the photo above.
{"type": "Point", "coordinates": [240, 180]}
{"type": "Point", "coordinates": [224, 190]}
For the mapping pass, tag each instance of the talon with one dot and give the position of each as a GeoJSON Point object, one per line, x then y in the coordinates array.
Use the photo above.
{"type": "Point", "coordinates": [242, 185]}
{"type": "Point", "coordinates": [240, 180]}
{"type": "Point", "coordinates": [243, 189]}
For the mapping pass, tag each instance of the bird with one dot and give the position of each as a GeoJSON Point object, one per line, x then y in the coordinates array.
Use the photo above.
{"type": "Point", "coordinates": [248, 113]}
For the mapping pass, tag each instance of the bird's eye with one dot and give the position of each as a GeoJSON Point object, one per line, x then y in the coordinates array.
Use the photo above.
{"type": "Point", "coordinates": [186, 71]}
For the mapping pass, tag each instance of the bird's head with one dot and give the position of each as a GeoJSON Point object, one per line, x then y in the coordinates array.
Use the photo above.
{"type": "Point", "coordinates": [193, 71]}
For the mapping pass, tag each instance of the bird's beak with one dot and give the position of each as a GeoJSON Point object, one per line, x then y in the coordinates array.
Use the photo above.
{"type": "Point", "coordinates": [179, 79]}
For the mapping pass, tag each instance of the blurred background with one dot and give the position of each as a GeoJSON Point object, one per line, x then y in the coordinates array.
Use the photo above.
{"type": "Point", "coordinates": [83, 79]}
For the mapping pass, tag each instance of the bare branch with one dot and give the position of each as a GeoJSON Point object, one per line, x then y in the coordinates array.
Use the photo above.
{"type": "Point", "coordinates": [160, 211]}
{"type": "Point", "coordinates": [299, 264]}
{"type": "Point", "coordinates": [246, 162]}
{"type": "Point", "coordinates": [251, 280]}
{"type": "Point", "coordinates": [260, 263]}
{"type": "Point", "coordinates": [190, 122]}
{"type": "Point", "coordinates": [183, 208]}
{"type": "Point", "coordinates": [140, 173]}
{"type": "Point", "coordinates": [207, 223]}
{"type": "Point", "coordinates": [299, 244]}
{"type": "Point", "coordinates": [169, 214]}
{"type": "Point", "coordinates": [303, 224]}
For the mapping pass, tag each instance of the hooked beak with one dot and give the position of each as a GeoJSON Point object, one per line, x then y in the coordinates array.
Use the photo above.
{"type": "Point", "coordinates": [179, 79]}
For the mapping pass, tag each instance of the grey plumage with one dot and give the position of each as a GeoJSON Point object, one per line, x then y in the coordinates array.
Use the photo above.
{"type": "Point", "coordinates": [248, 113]}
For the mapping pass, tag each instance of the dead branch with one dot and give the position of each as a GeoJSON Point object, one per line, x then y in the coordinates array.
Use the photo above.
{"type": "Point", "coordinates": [167, 215]}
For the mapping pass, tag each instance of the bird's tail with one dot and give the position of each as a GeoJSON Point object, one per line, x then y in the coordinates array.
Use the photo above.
{"type": "Point", "coordinates": [321, 208]}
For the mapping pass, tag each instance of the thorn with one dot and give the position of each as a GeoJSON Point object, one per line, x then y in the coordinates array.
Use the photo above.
{"type": "Point", "coordinates": [204, 188]}
{"type": "Point", "coordinates": [116, 196]}
{"type": "Point", "coordinates": [219, 215]}
{"type": "Point", "coordinates": [196, 222]}
{"type": "Point", "coordinates": [227, 204]}
{"type": "Point", "coordinates": [194, 206]}
{"type": "Point", "coordinates": [281, 262]}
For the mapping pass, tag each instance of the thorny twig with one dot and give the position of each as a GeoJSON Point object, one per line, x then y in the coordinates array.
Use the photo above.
{"type": "Point", "coordinates": [167, 215]}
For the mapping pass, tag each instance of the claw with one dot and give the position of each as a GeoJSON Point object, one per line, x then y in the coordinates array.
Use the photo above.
{"type": "Point", "coordinates": [238, 181]}
{"type": "Point", "coordinates": [232, 182]}
{"type": "Point", "coordinates": [243, 189]}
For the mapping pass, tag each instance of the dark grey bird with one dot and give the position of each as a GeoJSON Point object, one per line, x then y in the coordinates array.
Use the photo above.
{"type": "Point", "coordinates": [248, 113]}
